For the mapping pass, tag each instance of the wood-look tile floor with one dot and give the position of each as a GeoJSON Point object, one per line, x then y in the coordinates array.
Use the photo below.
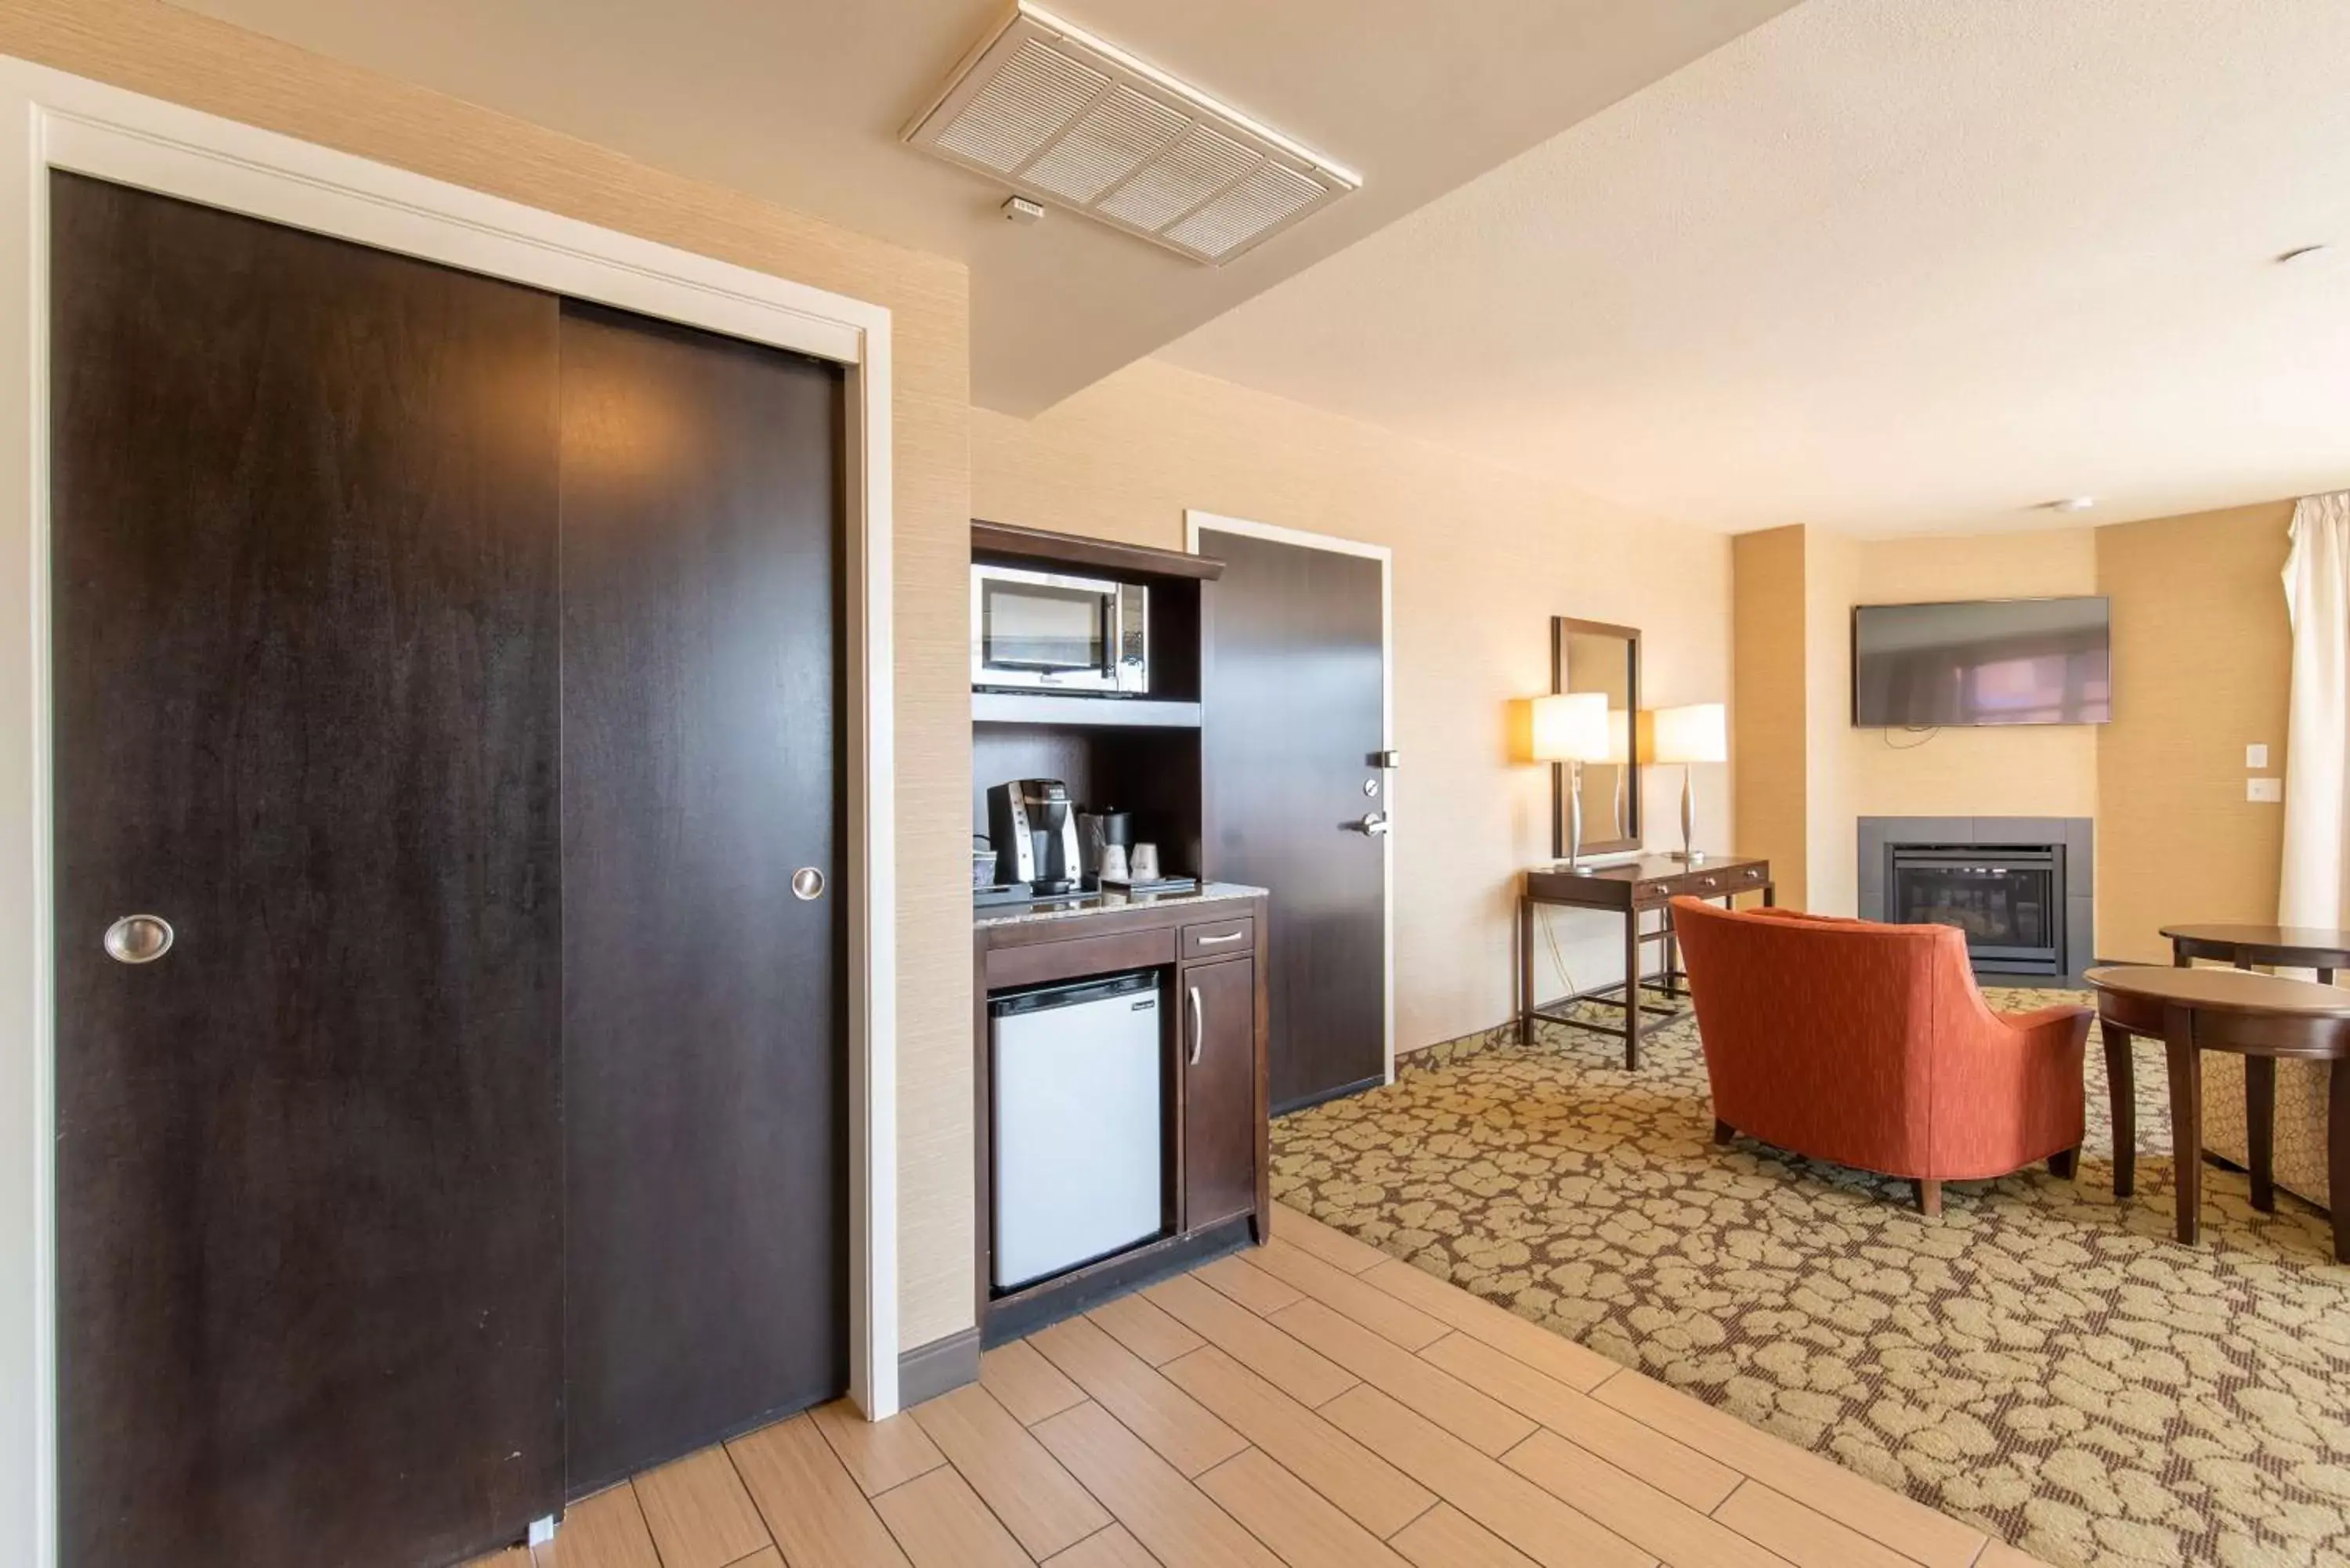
{"type": "Point", "coordinates": [1309, 1402]}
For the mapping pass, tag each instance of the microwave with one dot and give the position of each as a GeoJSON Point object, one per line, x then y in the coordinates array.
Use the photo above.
{"type": "Point", "coordinates": [1048, 631]}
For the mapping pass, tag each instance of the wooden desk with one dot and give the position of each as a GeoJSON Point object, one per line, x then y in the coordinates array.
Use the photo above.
{"type": "Point", "coordinates": [1630, 888]}
{"type": "Point", "coordinates": [2260, 1018]}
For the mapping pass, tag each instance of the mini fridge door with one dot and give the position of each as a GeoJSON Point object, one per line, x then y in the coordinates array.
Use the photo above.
{"type": "Point", "coordinates": [1079, 1170]}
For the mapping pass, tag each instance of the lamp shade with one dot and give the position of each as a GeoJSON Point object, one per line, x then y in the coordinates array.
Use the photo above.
{"type": "Point", "coordinates": [1571, 728]}
{"type": "Point", "coordinates": [1697, 734]}
{"type": "Point", "coordinates": [1619, 735]}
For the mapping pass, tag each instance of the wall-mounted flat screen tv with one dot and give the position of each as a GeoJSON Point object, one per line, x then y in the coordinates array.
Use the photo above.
{"type": "Point", "coordinates": [1987, 661]}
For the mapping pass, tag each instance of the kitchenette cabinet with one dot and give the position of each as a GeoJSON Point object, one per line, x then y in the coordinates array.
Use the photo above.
{"type": "Point", "coordinates": [1223, 1148]}
{"type": "Point", "coordinates": [1205, 952]}
{"type": "Point", "coordinates": [1078, 1122]}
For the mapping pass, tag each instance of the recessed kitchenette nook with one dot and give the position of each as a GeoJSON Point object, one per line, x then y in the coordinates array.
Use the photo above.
{"type": "Point", "coordinates": [1119, 1020]}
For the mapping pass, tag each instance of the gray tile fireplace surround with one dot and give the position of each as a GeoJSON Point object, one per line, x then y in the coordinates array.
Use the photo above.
{"type": "Point", "coordinates": [2074, 833]}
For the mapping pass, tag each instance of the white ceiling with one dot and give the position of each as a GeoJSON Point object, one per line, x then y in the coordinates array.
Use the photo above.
{"type": "Point", "coordinates": [1883, 266]}
{"type": "Point", "coordinates": [801, 102]}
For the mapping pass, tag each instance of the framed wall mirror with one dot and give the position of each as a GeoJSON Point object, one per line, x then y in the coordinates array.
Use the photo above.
{"type": "Point", "coordinates": [1593, 656]}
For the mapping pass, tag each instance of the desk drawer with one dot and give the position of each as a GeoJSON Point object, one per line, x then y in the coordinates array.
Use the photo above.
{"type": "Point", "coordinates": [1704, 883]}
{"type": "Point", "coordinates": [1219, 938]}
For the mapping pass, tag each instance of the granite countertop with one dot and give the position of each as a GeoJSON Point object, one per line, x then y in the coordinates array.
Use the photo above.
{"type": "Point", "coordinates": [1104, 903]}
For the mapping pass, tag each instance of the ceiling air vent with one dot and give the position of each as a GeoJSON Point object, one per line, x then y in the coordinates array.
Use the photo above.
{"type": "Point", "coordinates": [1066, 119]}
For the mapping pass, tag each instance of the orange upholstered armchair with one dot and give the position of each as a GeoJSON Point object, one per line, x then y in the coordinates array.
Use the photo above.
{"type": "Point", "coordinates": [1869, 1045]}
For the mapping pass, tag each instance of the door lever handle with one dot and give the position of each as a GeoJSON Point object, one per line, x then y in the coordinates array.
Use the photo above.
{"type": "Point", "coordinates": [1374, 825]}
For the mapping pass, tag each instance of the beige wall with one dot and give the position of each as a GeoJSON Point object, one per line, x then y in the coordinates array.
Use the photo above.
{"type": "Point", "coordinates": [1832, 568]}
{"type": "Point", "coordinates": [2202, 667]}
{"type": "Point", "coordinates": [2019, 771]}
{"type": "Point", "coordinates": [1769, 738]}
{"type": "Point", "coordinates": [1484, 558]}
{"type": "Point", "coordinates": [206, 65]}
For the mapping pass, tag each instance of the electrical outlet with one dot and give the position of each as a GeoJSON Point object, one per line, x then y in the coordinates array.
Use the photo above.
{"type": "Point", "coordinates": [2256, 756]}
{"type": "Point", "coordinates": [2269, 792]}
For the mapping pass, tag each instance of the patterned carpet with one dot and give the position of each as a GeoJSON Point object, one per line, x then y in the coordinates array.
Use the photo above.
{"type": "Point", "coordinates": [2043, 1362]}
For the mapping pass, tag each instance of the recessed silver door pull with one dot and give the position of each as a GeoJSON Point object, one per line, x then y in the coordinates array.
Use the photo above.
{"type": "Point", "coordinates": [808, 882]}
{"type": "Point", "coordinates": [139, 939]}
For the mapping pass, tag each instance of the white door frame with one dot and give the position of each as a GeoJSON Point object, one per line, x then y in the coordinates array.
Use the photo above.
{"type": "Point", "coordinates": [52, 120]}
{"type": "Point", "coordinates": [1193, 521]}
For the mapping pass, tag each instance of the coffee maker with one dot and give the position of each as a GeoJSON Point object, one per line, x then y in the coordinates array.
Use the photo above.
{"type": "Point", "coordinates": [1034, 830]}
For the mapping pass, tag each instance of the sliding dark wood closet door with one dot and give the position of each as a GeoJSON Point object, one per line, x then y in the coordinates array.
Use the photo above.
{"type": "Point", "coordinates": [455, 669]}
{"type": "Point", "coordinates": [705, 1094]}
{"type": "Point", "coordinates": [310, 1169]}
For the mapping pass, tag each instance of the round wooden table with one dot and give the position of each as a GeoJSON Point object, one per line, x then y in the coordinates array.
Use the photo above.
{"type": "Point", "coordinates": [2260, 1018]}
{"type": "Point", "coordinates": [2294, 947]}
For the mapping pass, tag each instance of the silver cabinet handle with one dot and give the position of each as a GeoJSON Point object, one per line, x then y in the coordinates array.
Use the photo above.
{"type": "Point", "coordinates": [138, 939]}
{"type": "Point", "coordinates": [1231, 936]}
{"type": "Point", "coordinates": [1374, 823]}
{"type": "Point", "coordinates": [1198, 1025]}
{"type": "Point", "coordinates": [807, 883]}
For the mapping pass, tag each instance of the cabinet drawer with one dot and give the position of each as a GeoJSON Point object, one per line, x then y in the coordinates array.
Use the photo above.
{"type": "Point", "coordinates": [1034, 964]}
{"type": "Point", "coordinates": [1219, 938]}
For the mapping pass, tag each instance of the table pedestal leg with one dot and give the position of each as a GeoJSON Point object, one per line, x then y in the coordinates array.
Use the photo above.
{"type": "Point", "coordinates": [2185, 1121]}
{"type": "Point", "coordinates": [2122, 1095]}
{"type": "Point", "coordinates": [2260, 1129]}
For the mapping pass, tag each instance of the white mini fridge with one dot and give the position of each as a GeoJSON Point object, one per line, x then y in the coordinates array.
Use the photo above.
{"type": "Point", "coordinates": [1075, 1147]}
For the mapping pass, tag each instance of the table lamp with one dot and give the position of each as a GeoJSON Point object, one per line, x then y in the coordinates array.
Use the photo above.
{"type": "Point", "coordinates": [1697, 734]}
{"type": "Point", "coordinates": [1571, 728]}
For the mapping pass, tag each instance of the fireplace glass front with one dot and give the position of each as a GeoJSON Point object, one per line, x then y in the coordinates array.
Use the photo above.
{"type": "Point", "coordinates": [2008, 899]}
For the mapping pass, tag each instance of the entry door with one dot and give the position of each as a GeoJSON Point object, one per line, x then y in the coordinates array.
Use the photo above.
{"type": "Point", "coordinates": [1292, 725]}
{"type": "Point", "coordinates": [705, 1099]}
{"type": "Point", "coordinates": [309, 1157]}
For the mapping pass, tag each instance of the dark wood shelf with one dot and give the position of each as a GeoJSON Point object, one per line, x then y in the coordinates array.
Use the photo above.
{"type": "Point", "coordinates": [1010, 542]}
{"type": "Point", "coordinates": [1082, 712]}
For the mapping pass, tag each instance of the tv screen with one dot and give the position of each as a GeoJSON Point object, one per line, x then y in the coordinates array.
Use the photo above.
{"type": "Point", "coordinates": [1991, 662]}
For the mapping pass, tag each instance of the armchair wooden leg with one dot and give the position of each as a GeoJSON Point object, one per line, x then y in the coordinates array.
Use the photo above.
{"type": "Point", "coordinates": [1929, 1197]}
{"type": "Point", "coordinates": [2064, 1163]}
{"type": "Point", "coordinates": [1722, 1131]}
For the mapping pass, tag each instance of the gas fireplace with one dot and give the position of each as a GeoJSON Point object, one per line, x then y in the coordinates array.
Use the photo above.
{"type": "Point", "coordinates": [2009, 900]}
{"type": "Point", "coordinates": [2019, 888]}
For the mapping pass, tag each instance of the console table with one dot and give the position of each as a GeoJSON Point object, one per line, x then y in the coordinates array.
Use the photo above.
{"type": "Point", "coordinates": [1630, 889]}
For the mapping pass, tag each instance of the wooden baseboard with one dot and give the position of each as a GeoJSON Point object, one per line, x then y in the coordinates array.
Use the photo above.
{"type": "Point", "coordinates": [1024, 1312]}
{"type": "Point", "coordinates": [1320, 1096]}
{"type": "Point", "coordinates": [939, 1367]}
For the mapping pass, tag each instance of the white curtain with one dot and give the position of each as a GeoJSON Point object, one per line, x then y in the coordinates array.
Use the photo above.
{"type": "Point", "coordinates": [2315, 887]}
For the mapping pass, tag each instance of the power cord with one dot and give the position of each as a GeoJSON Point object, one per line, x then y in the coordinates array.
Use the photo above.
{"type": "Point", "coordinates": [1924, 733]}
{"type": "Point", "coordinates": [1557, 957]}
